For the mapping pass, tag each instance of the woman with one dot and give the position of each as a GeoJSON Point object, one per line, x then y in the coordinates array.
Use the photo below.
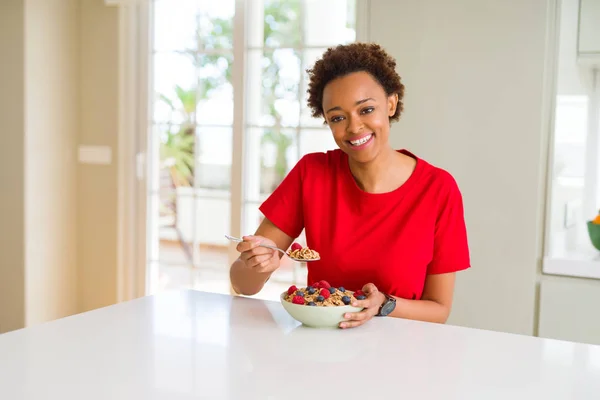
{"type": "Point", "coordinates": [383, 220]}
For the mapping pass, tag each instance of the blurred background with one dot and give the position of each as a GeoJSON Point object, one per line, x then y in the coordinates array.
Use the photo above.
{"type": "Point", "coordinates": [137, 133]}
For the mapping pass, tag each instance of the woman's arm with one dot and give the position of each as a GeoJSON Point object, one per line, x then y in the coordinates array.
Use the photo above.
{"type": "Point", "coordinates": [434, 306]}
{"type": "Point", "coordinates": [249, 273]}
{"type": "Point", "coordinates": [435, 303]}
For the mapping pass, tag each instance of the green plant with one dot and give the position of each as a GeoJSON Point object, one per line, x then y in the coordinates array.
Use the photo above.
{"type": "Point", "coordinates": [177, 154]}
{"type": "Point", "coordinates": [177, 143]}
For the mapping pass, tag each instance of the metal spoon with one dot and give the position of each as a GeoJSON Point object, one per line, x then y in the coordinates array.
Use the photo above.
{"type": "Point", "coordinates": [235, 239]}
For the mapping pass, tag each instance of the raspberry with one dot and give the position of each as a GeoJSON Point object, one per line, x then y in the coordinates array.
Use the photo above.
{"type": "Point", "coordinates": [316, 285]}
{"type": "Point", "coordinates": [292, 289]}
{"type": "Point", "coordinates": [325, 293]}
{"type": "Point", "coordinates": [298, 300]}
{"type": "Point", "coordinates": [358, 293]}
{"type": "Point", "coordinates": [324, 284]}
{"type": "Point", "coordinates": [296, 246]}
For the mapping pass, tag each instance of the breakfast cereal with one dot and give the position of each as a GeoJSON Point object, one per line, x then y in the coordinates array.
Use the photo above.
{"type": "Point", "coordinates": [322, 294]}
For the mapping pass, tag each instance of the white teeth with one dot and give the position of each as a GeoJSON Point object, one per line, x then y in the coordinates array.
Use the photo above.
{"type": "Point", "coordinates": [361, 141]}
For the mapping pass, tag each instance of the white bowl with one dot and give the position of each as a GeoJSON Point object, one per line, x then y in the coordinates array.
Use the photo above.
{"type": "Point", "coordinates": [316, 316]}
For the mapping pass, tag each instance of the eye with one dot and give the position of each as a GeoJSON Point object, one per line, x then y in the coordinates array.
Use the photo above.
{"type": "Point", "coordinates": [336, 119]}
{"type": "Point", "coordinates": [368, 110]}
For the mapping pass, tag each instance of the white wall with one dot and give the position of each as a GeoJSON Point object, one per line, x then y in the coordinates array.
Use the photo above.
{"type": "Point", "coordinates": [474, 76]}
{"type": "Point", "coordinates": [51, 133]}
{"type": "Point", "coordinates": [97, 184]}
{"type": "Point", "coordinates": [39, 77]}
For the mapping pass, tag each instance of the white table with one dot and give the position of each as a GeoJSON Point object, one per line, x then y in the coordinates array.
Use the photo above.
{"type": "Point", "coordinates": [184, 345]}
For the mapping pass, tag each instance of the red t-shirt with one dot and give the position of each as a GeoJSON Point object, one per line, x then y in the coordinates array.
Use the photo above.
{"type": "Point", "coordinates": [392, 240]}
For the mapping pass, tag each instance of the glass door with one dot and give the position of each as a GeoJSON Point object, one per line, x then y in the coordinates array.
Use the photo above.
{"type": "Point", "coordinates": [190, 144]}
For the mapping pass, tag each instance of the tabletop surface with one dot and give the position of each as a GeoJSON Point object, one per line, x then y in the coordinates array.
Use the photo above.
{"type": "Point", "coordinates": [195, 345]}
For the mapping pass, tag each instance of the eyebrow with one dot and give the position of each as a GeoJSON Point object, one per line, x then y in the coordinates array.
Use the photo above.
{"type": "Point", "coordinates": [357, 103]}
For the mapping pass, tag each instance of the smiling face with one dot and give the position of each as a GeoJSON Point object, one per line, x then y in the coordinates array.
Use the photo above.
{"type": "Point", "coordinates": [357, 110]}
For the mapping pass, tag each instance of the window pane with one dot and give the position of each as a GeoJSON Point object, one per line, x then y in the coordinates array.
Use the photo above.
{"type": "Point", "coordinates": [202, 215]}
{"type": "Point", "coordinates": [215, 91]}
{"type": "Point", "coordinates": [212, 216]}
{"type": "Point", "coordinates": [176, 151]}
{"type": "Point", "coordinates": [193, 25]}
{"type": "Point", "coordinates": [178, 147]}
{"type": "Point", "coordinates": [568, 230]}
{"type": "Point", "coordinates": [252, 218]}
{"type": "Point", "coordinates": [329, 23]}
{"type": "Point", "coordinates": [316, 140]}
{"type": "Point", "coordinates": [174, 27]}
{"type": "Point", "coordinates": [175, 80]}
{"type": "Point", "coordinates": [570, 136]}
{"type": "Point", "coordinates": [274, 23]}
{"type": "Point", "coordinates": [193, 88]}
{"type": "Point", "coordinates": [270, 155]}
{"type": "Point", "coordinates": [215, 24]}
{"type": "Point", "coordinates": [309, 57]}
{"type": "Point", "coordinates": [173, 248]}
{"type": "Point", "coordinates": [215, 145]}
{"type": "Point", "coordinates": [273, 87]}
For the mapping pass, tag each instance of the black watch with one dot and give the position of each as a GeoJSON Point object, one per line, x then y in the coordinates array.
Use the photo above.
{"type": "Point", "coordinates": [387, 307]}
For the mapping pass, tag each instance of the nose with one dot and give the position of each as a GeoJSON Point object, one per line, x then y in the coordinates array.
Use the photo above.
{"type": "Point", "coordinates": [355, 124]}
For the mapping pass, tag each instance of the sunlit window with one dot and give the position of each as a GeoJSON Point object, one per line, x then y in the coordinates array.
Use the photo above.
{"type": "Point", "coordinates": [192, 119]}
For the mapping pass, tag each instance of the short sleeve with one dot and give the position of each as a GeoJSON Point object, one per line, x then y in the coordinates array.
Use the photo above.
{"type": "Point", "coordinates": [450, 243]}
{"type": "Point", "coordinates": [284, 206]}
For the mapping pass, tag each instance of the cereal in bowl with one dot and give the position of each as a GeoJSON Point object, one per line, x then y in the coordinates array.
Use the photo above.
{"type": "Point", "coordinates": [322, 294]}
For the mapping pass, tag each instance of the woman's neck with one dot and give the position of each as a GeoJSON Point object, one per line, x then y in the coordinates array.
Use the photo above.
{"type": "Point", "coordinates": [387, 172]}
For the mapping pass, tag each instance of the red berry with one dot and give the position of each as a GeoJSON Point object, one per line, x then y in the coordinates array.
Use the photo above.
{"type": "Point", "coordinates": [298, 300]}
{"type": "Point", "coordinates": [358, 293]}
{"type": "Point", "coordinates": [324, 284]}
{"type": "Point", "coordinates": [316, 285]}
{"type": "Point", "coordinates": [296, 246]}
{"type": "Point", "coordinates": [325, 293]}
{"type": "Point", "coordinates": [292, 289]}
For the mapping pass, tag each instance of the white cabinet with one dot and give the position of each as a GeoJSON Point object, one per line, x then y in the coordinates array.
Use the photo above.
{"type": "Point", "coordinates": [589, 26]}
{"type": "Point", "coordinates": [570, 309]}
{"type": "Point", "coordinates": [588, 34]}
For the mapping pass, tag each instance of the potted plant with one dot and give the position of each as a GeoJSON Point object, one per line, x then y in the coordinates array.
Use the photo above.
{"type": "Point", "coordinates": [594, 231]}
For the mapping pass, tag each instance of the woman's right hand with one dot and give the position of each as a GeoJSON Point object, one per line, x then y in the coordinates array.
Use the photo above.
{"type": "Point", "coordinates": [258, 258]}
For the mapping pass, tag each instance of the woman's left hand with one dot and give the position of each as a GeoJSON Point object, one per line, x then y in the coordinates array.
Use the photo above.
{"type": "Point", "coordinates": [371, 307]}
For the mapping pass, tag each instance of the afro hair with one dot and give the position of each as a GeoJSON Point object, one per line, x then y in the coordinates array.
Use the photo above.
{"type": "Point", "coordinates": [342, 60]}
